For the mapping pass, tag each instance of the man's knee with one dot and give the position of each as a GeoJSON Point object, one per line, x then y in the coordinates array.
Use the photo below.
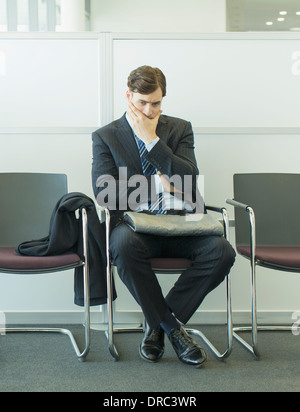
{"type": "Point", "coordinates": [226, 260]}
{"type": "Point", "coordinates": [228, 253]}
{"type": "Point", "coordinates": [223, 255]}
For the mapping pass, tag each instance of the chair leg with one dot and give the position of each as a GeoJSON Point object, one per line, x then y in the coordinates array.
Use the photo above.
{"type": "Point", "coordinates": [109, 281]}
{"type": "Point", "coordinates": [260, 328]}
{"type": "Point", "coordinates": [110, 331]}
{"type": "Point", "coordinates": [252, 348]}
{"type": "Point", "coordinates": [254, 328]}
{"type": "Point", "coordinates": [228, 350]}
{"type": "Point", "coordinates": [80, 355]}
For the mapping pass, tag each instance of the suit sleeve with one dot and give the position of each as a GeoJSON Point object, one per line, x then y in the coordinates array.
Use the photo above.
{"type": "Point", "coordinates": [176, 157]}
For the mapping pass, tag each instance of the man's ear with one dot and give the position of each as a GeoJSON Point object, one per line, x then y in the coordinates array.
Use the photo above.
{"type": "Point", "coordinates": [128, 95]}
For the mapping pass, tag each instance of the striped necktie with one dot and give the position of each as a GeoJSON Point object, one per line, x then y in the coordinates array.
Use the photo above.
{"type": "Point", "coordinates": [158, 206]}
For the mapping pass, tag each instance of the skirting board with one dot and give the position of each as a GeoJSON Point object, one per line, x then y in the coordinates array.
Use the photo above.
{"type": "Point", "coordinates": [218, 317]}
{"type": "Point", "coordinates": [135, 317]}
{"type": "Point", "coordinates": [48, 317]}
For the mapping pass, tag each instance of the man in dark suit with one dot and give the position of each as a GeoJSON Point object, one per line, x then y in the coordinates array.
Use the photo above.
{"type": "Point", "coordinates": [157, 147]}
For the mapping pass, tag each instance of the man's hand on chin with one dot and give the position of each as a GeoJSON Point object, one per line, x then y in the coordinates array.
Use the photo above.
{"type": "Point", "coordinates": [143, 126]}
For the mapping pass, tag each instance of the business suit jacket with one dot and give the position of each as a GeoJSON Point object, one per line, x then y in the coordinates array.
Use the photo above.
{"type": "Point", "coordinates": [114, 147]}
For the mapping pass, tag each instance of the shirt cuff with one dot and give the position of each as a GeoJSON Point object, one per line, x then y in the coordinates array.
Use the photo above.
{"type": "Point", "coordinates": [158, 185]}
{"type": "Point", "coordinates": [152, 144]}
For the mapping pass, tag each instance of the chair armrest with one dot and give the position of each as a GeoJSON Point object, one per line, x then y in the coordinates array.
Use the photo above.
{"type": "Point", "coordinates": [223, 211]}
{"type": "Point", "coordinates": [235, 203]}
{"type": "Point", "coordinates": [251, 214]}
{"type": "Point", "coordinates": [214, 208]}
{"type": "Point", "coordinates": [244, 207]}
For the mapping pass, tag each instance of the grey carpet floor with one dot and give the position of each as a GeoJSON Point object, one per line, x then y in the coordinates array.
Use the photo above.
{"type": "Point", "coordinates": [43, 363]}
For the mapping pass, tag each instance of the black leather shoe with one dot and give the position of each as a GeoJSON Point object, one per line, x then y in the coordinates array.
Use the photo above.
{"type": "Point", "coordinates": [186, 349]}
{"type": "Point", "coordinates": [152, 346]}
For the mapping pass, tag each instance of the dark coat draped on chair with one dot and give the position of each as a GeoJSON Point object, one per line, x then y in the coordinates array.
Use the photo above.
{"type": "Point", "coordinates": [65, 235]}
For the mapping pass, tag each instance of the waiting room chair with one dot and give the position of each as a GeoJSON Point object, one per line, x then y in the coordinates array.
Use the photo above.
{"type": "Point", "coordinates": [267, 229]}
{"type": "Point", "coordinates": [166, 266]}
{"type": "Point", "coordinates": [27, 203]}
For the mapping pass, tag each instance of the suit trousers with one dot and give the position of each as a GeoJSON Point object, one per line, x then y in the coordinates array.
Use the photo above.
{"type": "Point", "coordinates": [212, 258]}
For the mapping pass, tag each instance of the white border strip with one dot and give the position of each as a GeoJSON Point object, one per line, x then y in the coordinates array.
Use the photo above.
{"type": "Point", "coordinates": [136, 317]}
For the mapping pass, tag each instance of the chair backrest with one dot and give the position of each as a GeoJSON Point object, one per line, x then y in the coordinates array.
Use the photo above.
{"type": "Point", "coordinates": [27, 201]}
{"type": "Point", "coordinates": [275, 198]}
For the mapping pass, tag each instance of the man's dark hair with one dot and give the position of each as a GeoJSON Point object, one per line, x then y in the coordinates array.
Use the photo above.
{"type": "Point", "coordinates": [146, 80]}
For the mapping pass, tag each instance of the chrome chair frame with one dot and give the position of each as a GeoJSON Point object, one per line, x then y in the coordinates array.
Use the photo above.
{"type": "Point", "coordinates": [254, 328]}
{"type": "Point", "coordinates": [81, 355]}
{"type": "Point", "coordinates": [110, 318]}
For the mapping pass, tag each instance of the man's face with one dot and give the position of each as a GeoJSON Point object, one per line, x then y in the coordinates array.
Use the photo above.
{"type": "Point", "coordinates": [148, 104]}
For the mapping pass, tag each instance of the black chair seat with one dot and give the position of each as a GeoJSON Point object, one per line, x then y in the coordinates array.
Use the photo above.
{"type": "Point", "coordinates": [10, 261]}
{"type": "Point", "coordinates": [170, 264]}
{"type": "Point", "coordinates": [281, 256]}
